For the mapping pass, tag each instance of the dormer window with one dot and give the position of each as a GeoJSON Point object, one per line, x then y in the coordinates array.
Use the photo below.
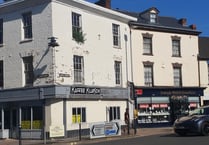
{"type": "Point", "coordinates": [153, 18]}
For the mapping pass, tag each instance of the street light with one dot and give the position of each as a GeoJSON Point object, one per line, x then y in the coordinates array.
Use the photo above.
{"type": "Point", "coordinates": [53, 43]}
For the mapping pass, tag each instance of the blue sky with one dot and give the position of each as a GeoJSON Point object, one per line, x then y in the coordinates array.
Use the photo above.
{"type": "Point", "coordinates": [195, 11]}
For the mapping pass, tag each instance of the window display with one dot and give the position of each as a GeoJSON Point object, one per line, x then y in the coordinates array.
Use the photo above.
{"type": "Point", "coordinates": [154, 113]}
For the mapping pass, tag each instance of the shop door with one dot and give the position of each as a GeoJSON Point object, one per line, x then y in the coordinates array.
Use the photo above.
{"type": "Point", "coordinates": [179, 107]}
{"type": "Point", "coordinates": [14, 123]}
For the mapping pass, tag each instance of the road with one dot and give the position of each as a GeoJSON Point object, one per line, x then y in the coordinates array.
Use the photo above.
{"type": "Point", "coordinates": [169, 139]}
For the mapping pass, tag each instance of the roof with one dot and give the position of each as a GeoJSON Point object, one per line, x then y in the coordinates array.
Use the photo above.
{"type": "Point", "coordinates": [204, 48]}
{"type": "Point", "coordinates": [167, 24]}
{"type": "Point", "coordinates": [82, 4]}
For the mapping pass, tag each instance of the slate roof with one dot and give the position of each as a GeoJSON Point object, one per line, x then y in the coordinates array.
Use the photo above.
{"type": "Point", "coordinates": [204, 48]}
{"type": "Point", "coordinates": [167, 24]}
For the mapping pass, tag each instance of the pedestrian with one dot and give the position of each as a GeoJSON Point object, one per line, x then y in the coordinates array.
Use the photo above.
{"type": "Point", "coordinates": [127, 120]}
{"type": "Point", "coordinates": [135, 122]}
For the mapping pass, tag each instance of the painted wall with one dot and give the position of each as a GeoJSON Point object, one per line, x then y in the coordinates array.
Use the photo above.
{"type": "Point", "coordinates": [163, 60]}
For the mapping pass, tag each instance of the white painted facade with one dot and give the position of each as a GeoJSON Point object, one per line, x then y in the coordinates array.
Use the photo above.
{"type": "Point", "coordinates": [54, 18]}
{"type": "Point", "coordinates": [162, 58]}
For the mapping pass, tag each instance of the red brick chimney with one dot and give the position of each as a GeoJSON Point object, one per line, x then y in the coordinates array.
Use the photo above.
{"type": "Point", "coordinates": [104, 3]}
{"type": "Point", "coordinates": [183, 21]}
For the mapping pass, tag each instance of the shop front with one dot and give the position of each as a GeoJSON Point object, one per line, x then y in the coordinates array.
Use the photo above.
{"type": "Point", "coordinates": [161, 106]}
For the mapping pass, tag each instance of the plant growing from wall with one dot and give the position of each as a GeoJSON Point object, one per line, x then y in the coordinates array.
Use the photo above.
{"type": "Point", "coordinates": [79, 36]}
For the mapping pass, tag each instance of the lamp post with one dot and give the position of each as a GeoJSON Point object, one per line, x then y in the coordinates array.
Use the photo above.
{"type": "Point", "coordinates": [53, 43]}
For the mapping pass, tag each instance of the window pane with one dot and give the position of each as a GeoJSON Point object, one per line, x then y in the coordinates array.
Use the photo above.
{"type": "Point", "coordinates": [147, 45]}
{"type": "Point", "coordinates": [114, 113]}
{"type": "Point", "coordinates": [116, 34]}
{"type": "Point", "coordinates": [117, 72]}
{"type": "Point", "coordinates": [76, 24]}
{"type": "Point", "coordinates": [26, 118]}
{"type": "Point", "coordinates": [28, 66]}
{"type": "Point", "coordinates": [78, 69]}
{"type": "Point", "coordinates": [27, 25]}
{"type": "Point", "coordinates": [176, 47]}
{"type": "Point", "coordinates": [177, 77]}
{"type": "Point", "coordinates": [148, 76]}
{"type": "Point", "coordinates": [78, 115]}
{"type": "Point", "coordinates": [1, 31]}
{"type": "Point", "coordinates": [37, 118]}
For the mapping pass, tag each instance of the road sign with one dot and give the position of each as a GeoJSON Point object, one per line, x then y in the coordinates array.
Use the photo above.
{"type": "Point", "coordinates": [105, 129]}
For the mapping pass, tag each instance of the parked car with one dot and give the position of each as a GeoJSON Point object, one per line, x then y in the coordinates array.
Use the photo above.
{"type": "Point", "coordinates": [196, 122]}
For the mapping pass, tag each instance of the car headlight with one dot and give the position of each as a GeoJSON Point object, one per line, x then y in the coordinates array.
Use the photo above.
{"type": "Point", "coordinates": [195, 119]}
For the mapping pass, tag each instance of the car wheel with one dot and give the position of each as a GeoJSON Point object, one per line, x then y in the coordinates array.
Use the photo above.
{"type": "Point", "coordinates": [205, 129]}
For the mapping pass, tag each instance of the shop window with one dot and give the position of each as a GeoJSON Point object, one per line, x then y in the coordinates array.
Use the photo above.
{"type": "Point", "coordinates": [0, 119]}
{"type": "Point", "coordinates": [78, 115]}
{"type": "Point", "coordinates": [114, 113]}
{"type": "Point", "coordinates": [26, 118]}
{"type": "Point", "coordinates": [37, 118]}
{"type": "Point", "coordinates": [32, 117]}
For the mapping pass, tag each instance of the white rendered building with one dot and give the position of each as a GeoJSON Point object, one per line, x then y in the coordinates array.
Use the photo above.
{"type": "Point", "coordinates": [62, 63]}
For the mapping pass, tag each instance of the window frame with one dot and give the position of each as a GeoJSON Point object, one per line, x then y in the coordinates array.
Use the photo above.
{"type": "Point", "coordinates": [27, 25]}
{"type": "Point", "coordinates": [177, 76]}
{"type": "Point", "coordinates": [153, 18]}
{"type": "Point", "coordinates": [28, 70]}
{"type": "Point", "coordinates": [118, 72]}
{"type": "Point", "coordinates": [116, 35]}
{"type": "Point", "coordinates": [148, 74]}
{"type": "Point", "coordinates": [1, 31]}
{"type": "Point", "coordinates": [147, 44]}
{"type": "Point", "coordinates": [114, 113]}
{"type": "Point", "coordinates": [176, 46]}
{"type": "Point", "coordinates": [78, 69]}
{"type": "Point", "coordinates": [1, 74]}
{"type": "Point", "coordinates": [76, 111]}
{"type": "Point", "coordinates": [76, 23]}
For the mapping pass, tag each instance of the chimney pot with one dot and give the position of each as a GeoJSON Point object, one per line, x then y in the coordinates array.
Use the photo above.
{"type": "Point", "coordinates": [183, 21]}
{"type": "Point", "coordinates": [104, 3]}
{"type": "Point", "coordinates": [193, 27]}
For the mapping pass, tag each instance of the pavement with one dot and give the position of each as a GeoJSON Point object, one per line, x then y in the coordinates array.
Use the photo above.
{"type": "Point", "coordinates": [140, 133]}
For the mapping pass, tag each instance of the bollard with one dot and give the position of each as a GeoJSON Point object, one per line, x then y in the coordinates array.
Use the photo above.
{"type": "Point", "coordinates": [79, 131]}
{"type": "Point", "coordinates": [20, 141]}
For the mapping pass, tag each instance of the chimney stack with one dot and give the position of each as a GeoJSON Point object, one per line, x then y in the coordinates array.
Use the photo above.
{"type": "Point", "coordinates": [104, 3]}
{"type": "Point", "coordinates": [183, 21]}
{"type": "Point", "coordinates": [193, 27]}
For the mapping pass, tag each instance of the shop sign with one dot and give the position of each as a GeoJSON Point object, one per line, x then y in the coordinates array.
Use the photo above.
{"type": "Point", "coordinates": [163, 105]}
{"type": "Point", "coordinates": [104, 129]}
{"type": "Point", "coordinates": [139, 92]}
{"type": "Point", "coordinates": [155, 105]}
{"type": "Point", "coordinates": [193, 104]}
{"type": "Point", "coordinates": [56, 131]}
{"type": "Point", "coordinates": [144, 106]}
{"type": "Point", "coordinates": [85, 90]}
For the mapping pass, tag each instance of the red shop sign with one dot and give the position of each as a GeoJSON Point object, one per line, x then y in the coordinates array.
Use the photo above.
{"type": "Point", "coordinates": [143, 105]}
{"type": "Point", "coordinates": [163, 105]}
{"type": "Point", "coordinates": [155, 105]}
{"type": "Point", "coordinates": [139, 92]}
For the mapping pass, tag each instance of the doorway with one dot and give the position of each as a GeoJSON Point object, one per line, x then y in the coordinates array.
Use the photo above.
{"type": "Point", "coordinates": [179, 107]}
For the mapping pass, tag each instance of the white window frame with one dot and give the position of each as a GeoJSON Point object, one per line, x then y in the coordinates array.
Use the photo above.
{"type": "Point", "coordinates": [27, 25]}
{"type": "Point", "coordinates": [116, 35]}
{"type": "Point", "coordinates": [78, 62]}
{"type": "Point", "coordinates": [148, 75]}
{"type": "Point", "coordinates": [78, 117]}
{"type": "Point", "coordinates": [118, 72]}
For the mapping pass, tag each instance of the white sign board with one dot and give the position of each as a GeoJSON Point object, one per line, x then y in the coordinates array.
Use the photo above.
{"type": "Point", "coordinates": [56, 131]}
{"type": "Point", "coordinates": [104, 129]}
